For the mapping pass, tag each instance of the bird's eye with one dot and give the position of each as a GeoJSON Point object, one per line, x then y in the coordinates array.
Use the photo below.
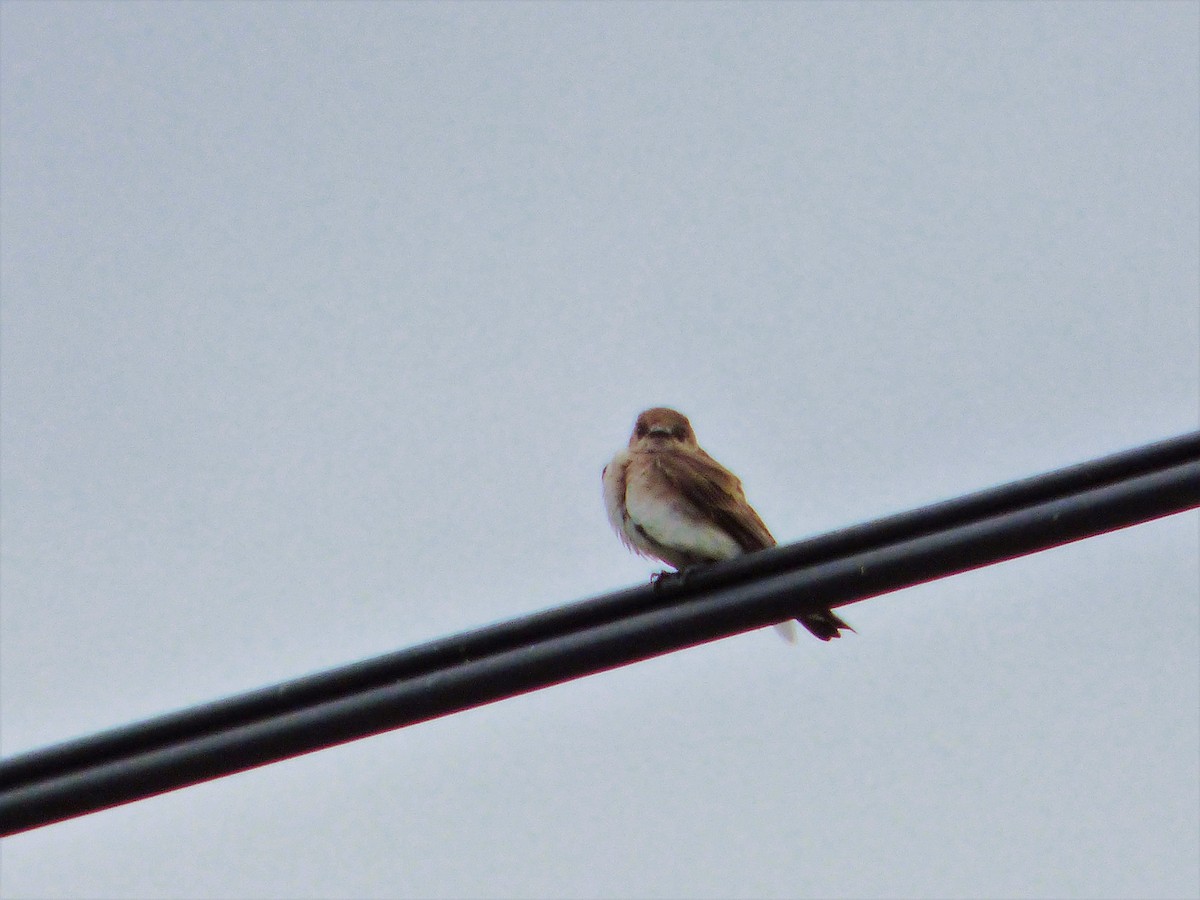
{"type": "Point", "coordinates": [641, 430]}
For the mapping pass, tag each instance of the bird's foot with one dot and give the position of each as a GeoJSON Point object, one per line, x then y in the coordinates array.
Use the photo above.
{"type": "Point", "coordinates": [678, 577]}
{"type": "Point", "coordinates": [659, 579]}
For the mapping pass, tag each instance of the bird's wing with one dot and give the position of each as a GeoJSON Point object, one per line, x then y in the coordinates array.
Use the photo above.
{"type": "Point", "coordinates": [716, 493]}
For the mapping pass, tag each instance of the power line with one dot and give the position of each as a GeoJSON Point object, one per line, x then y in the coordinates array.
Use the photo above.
{"type": "Point", "coordinates": [510, 658]}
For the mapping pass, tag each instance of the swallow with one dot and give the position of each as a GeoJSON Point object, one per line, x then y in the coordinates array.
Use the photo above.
{"type": "Point", "coordinates": [669, 500]}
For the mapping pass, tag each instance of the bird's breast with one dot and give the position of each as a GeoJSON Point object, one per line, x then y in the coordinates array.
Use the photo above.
{"type": "Point", "coordinates": [663, 523]}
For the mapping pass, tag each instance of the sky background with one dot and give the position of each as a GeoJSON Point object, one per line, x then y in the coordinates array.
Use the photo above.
{"type": "Point", "coordinates": [319, 322]}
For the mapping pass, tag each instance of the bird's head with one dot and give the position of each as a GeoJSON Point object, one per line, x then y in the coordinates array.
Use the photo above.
{"type": "Point", "coordinates": [660, 427]}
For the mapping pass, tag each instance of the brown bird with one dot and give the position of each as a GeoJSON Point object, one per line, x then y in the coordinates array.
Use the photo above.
{"type": "Point", "coordinates": [667, 499]}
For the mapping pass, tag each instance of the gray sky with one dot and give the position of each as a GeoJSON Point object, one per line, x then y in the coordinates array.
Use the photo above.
{"type": "Point", "coordinates": [320, 321]}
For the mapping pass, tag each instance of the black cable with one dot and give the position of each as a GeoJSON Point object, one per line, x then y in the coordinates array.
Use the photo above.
{"type": "Point", "coordinates": [468, 670]}
{"type": "Point", "coordinates": [305, 691]}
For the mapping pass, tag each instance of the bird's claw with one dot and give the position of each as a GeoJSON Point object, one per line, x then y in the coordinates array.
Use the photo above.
{"type": "Point", "coordinates": [658, 579]}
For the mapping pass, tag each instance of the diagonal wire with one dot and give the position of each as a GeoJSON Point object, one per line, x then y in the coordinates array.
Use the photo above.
{"type": "Point", "coordinates": [525, 654]}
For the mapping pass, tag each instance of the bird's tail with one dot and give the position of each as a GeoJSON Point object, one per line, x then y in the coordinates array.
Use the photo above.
{"type": "Point", "coordinates": [824, 624]}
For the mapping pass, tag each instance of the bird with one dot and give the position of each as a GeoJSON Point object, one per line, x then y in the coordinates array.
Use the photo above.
{"type": "Point", "coordinates": [669, 500]}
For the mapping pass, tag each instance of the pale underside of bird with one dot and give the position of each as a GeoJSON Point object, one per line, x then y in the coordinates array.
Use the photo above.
{"type": "Point", "coordinates": [669, 500]}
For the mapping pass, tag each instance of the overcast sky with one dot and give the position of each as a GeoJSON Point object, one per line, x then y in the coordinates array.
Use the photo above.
{"type": "Point", "coordinates": [319, 322]}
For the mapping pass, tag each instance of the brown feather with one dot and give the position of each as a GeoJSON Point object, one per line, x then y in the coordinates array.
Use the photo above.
{"type": "Point", "coordinates": [715, 493]}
